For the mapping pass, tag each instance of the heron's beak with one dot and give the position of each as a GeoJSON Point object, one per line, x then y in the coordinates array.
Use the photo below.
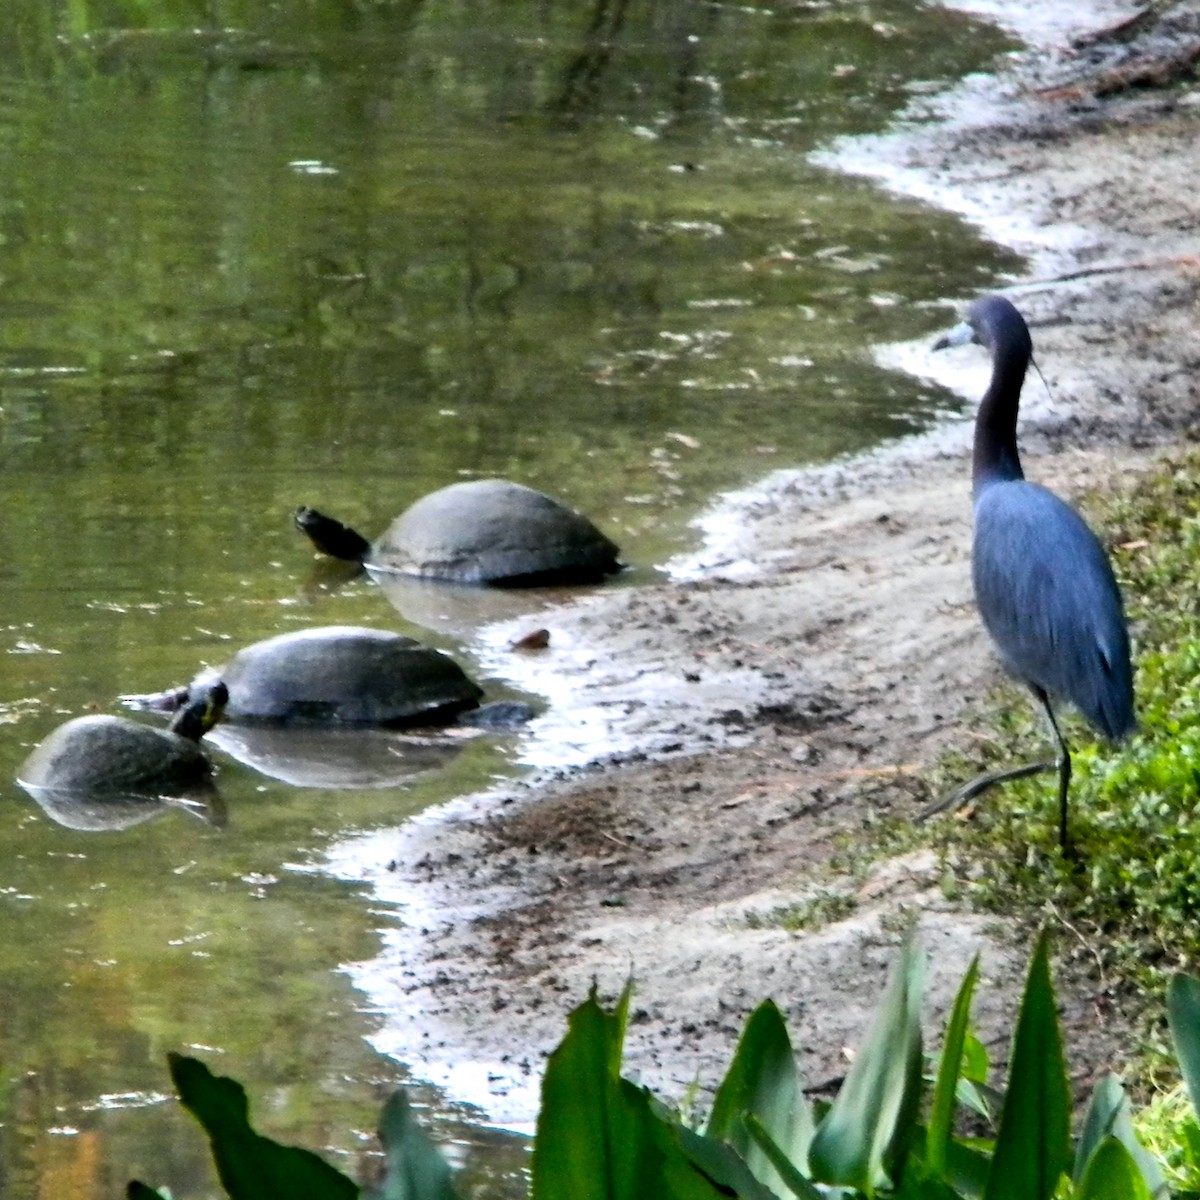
{"type": "Point", "coordinates": [961, 335]}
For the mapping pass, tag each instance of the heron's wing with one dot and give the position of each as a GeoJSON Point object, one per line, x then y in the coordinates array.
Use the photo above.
{"type": "Point", "coordinates": [1048, 598]}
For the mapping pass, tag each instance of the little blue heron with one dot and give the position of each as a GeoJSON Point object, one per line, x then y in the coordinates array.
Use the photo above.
{"type": "Point", "coordinates": [1043, 583]}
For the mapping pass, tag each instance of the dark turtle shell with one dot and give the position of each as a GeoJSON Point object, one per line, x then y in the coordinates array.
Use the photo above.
{"type": "Point", "coordinates": [483, 531]}
{"type": "Point", "coordinates": [494, 531]}
{"type": "Point", "coordinates": [106, 755]}
{"type": "Point", "coordinates": [345, 675]}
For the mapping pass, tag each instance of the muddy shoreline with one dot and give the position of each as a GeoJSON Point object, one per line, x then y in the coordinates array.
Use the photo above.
{"type": "Point", "coordinates": [818, 652]}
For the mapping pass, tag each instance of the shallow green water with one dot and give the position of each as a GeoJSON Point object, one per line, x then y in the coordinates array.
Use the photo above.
{"type": "Point", "coordinates": [341, 254]}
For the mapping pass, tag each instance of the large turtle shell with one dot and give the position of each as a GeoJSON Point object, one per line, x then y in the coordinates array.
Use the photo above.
{"type": "Point", "coordinates": [106, 755]}
{"type": "Point", "coordinates": [345, 675]}
{"type": "Point", "coordinates": [494, 531]}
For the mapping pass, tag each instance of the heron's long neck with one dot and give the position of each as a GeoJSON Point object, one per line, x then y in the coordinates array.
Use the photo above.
{"type": "Point", "coordinates": [996, 457]}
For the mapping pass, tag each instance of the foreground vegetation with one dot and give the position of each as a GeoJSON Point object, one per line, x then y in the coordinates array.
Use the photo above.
{"type": "Point", "coordinates": [891, 1131]}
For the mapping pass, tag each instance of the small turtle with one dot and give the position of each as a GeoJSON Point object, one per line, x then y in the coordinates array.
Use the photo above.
{"type": "Point", "coordinates": [334, 675]}
{"type": "Point", "coordinates": [114, 756]}
{"type": "Point", "coordinates": [484, 531]}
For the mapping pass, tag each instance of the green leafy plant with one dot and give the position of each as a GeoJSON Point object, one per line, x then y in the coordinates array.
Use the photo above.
{"type": "Point", "coordinates": [889, 1132]}
{"type": "Point", "coordinates": [253, 1167]}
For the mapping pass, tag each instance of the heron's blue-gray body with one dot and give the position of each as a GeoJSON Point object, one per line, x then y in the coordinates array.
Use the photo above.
{"type": "Point", "coordinates": [1048, 598]}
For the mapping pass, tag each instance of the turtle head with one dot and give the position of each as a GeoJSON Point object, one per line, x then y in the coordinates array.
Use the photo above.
{"type": "Point", "coordinates": [331, 537]}
{"type": "Point", "coordinates": [201, 712]}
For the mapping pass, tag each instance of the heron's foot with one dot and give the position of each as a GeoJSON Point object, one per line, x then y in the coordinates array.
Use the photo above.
{"type": "Point", "coordinates": [980, 784]}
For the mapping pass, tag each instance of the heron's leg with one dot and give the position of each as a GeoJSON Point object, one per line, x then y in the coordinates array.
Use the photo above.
{"type": "Point", "coordinates": [989, 779]}
{"type": "Point", "coordinates": [980, 784]}
{"type": "Point", "coordinates": [1064, 767]}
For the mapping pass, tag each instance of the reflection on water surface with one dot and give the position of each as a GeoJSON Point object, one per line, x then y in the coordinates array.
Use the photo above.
{"type": "Point", "coordinates": [341, 254]}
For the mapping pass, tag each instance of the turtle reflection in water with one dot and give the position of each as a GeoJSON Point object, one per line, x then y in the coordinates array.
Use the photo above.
{"type": "Point", "coordinates": [107, 772]}
{"type": "Point", "coordinates": [483, 531]}
{"type": "Point", "coordinates": [311, 707]}
{"type": "Point", "coordinates": [340, 757]}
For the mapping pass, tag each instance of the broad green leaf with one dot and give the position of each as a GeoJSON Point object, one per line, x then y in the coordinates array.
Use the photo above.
{"type": "Point", "coordinates": [600, 1137]}
{"type": "Point", "coordinates": [974, 1091]}
{"type": "Point", "coordinates": [1191, 1138]}
{"type": "Point", "coordinates": [572, 1151]}
{"type": "Point", "coordinates": [663, 1169]}
{"type": "Point", "coordinates": [139, 1191]}
{"type": "Point", "coordinates": [967, 1165]}
{"type": "Point", "coordinates": [1112, 1174]}
{"type": "Point", "coordinates": [723, 1165]}
{"type": "Point", "coordinates": [862, 1138]}
{"type": "Point", "coordinates": [966, 1170]}
{"type": "Point", "coordinates": [763, 1081]}
{"type": "Point", "coordinates": [977, 1064]}
{"type": "Point", "coordinates": [945, 1091]}
{"type": "Point", "coordinates": [1106, 1101]}
{"type": "Point", "coordinates": [983, 1102]}
{"type": "Point", "coordinates": [789, 1175]}
{"type": "Point", "coordinates": [1033, 1143]}
{"type": "Point", "coordinates": [1183, 1016]}
{"type": "Point", "coordinates": [917, 1184]}
{"type": "Point", "coordinates": [1109, 1115]}
{"type": "Point", "coordinates": [251, 1167]}
{"type": "Point", "coordinates": [414, 1167]}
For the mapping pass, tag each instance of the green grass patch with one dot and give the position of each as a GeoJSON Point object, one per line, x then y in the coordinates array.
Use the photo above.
{"type": "Point", "coordinates": [814, 912]}
{"type": "Point", "coordinates": [1164, 1127]}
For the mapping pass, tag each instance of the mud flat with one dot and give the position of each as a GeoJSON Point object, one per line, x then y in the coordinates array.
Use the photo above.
{"type": "Point", "coordinates": [788, 686]}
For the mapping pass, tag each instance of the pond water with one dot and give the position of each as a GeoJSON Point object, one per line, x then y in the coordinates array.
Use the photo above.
{"type": "Point", "coordinates": [342, 253]}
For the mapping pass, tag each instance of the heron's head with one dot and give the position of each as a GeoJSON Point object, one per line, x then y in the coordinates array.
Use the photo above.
{"type": "Point", "coordinates": [991, 321]}
{"type": "Point", "coordinates": [961, 335]}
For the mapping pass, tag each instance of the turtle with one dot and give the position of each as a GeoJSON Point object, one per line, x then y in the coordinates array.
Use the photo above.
{"type": "Point", "coordinates": [334, 675]}
{"type": "Point", "coordinates": [482, 531]}
{"type": "Point", "coordinates": [104, 755]}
